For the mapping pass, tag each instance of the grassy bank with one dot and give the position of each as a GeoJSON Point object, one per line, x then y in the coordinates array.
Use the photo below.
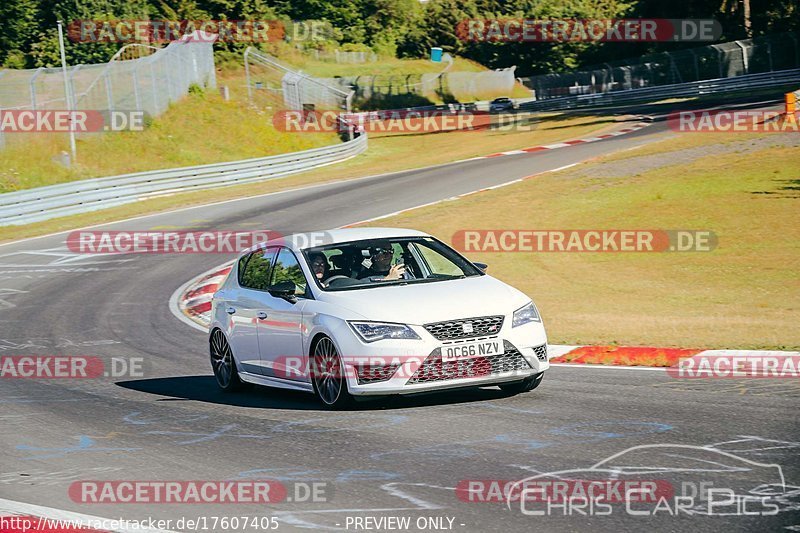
{"type": "Point", "coordinates": [201, 128]}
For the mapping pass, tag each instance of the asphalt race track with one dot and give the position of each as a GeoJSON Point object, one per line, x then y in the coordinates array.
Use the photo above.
{"type": "Point", "coordinates": [401, 458]}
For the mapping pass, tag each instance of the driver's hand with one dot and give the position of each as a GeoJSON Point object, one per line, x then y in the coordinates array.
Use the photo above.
{"type": "Point", "coordinates": [396, 272]}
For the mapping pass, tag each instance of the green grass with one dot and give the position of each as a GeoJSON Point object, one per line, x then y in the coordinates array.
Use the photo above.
{"type": "Point", "coordinates": [385, 66]}
{"type": "Point", "coordinates": [745, 294]}
{"type": "Point", "coordinates": [200, 129]}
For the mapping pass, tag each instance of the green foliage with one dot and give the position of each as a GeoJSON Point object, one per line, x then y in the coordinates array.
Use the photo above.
{"type": "Point", "coordinates": [405, 28]}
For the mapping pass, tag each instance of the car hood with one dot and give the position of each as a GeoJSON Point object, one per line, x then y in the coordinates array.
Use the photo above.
{"type": "Point", "coordinates": [431, 302]}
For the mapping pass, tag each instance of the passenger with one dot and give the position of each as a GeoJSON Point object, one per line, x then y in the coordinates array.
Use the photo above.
{"type": "Point", "coordinates": [381, 254]}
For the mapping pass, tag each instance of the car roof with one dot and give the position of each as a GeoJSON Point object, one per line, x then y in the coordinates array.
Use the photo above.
{"type": "Point", "coordinates": [312, 239]}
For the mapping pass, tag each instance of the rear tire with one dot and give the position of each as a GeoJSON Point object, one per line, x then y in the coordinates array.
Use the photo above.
{"type": "Point", "coordinates": [328, 378]}
{"type": "Point", "coordinates": [223, 363]}
{"type": "Point", "coordinates": [526, 385]}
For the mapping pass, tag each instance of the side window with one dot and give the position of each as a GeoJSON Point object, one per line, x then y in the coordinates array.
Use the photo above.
{"type": "Point", "coordinates": [256, 270]}
{"type": "Point", "coordinates": [438, 263]}
{"type": "Point", "coordinates": [288, 269]}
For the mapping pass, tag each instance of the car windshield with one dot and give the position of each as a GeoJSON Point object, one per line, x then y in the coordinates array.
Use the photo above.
{"type": "Point", "coordinates": [381, 262]}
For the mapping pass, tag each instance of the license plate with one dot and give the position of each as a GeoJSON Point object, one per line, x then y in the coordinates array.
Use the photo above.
{"type": "Point", "coordinates": [472, 349]}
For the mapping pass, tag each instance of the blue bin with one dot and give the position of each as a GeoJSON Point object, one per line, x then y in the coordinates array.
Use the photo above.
{"type": "Point", "coordinates": [436, 54]}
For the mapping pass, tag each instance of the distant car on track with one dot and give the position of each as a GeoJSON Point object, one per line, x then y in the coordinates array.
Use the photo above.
{"type": "Point", "coordinates": [498, 105]}
{"type": "Point", "coordinates": [439, 322]}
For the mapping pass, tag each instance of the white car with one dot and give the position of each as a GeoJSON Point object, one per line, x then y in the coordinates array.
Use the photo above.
{"type": "Point", "coordinates": [358, 312]}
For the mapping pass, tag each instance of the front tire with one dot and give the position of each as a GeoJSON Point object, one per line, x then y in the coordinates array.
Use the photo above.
{"type": "Point", "coordinates": [330, 383]}
{"type": "Point", "coordinates": [526, 385]}
{"type": "Point", "coordinates": [223, 363]}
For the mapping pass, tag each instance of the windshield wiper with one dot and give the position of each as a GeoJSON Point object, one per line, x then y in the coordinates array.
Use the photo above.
{"type": "Point", "coordinates": [436, 278]}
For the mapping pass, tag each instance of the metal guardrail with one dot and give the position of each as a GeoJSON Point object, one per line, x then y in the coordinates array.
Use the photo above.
{"type": "Point", "coordinates": [661, 92]}
{"type": "Point", "coordinates": [43, 203]}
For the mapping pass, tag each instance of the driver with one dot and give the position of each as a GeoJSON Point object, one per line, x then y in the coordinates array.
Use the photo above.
{"type": "Point", "coordinates": [319, 266]}
{"type": "Point", "coordinates": [381, 254]}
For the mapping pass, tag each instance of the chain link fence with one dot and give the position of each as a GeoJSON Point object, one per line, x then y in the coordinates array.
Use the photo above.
{"type": "Point", "coordinates": [273, 86]}
{"type": "Point", "coordinates": [138, 78]}
{"type": "Point", "coordinates": [725, 60]}
{"type": "Point", "coordinates": [388, 91]}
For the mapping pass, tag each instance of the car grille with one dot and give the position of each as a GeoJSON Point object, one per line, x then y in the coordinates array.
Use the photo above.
{"type": "Point", "coordinates": [541, 352]}
{"type": "Point", "coordinates": [375, 374]}
{"type": "Point", "coordinates": [454, 329]}
{"type": "Point", "coordinates": [433, 369]}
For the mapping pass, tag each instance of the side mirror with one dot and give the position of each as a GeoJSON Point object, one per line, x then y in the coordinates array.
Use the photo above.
{"type": "Point", "coordinates": [284, 289]}
{"type": "Point", "coordinates": [482, 266]}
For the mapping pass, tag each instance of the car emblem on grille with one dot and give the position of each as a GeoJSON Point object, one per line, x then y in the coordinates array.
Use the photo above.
{"type": "Point", "coordinates": [466, 327]}
{"type": "Point", "coordinates": [492, 328]}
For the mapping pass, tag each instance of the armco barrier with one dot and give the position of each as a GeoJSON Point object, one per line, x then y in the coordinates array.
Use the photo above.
{"type": "Point", "coordinates": [43, 203]}
{"type": "Point", "coordinates": [661, 92]}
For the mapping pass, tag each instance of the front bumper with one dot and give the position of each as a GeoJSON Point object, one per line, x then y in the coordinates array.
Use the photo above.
{"type": "Point", "coordinates": [407, 357]}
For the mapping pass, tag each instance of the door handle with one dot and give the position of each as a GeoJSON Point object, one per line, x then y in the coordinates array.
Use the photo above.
{"type": "Point", "coordinates": [261, 315]}
{"type": "Point", "coordinates": [230, 310]}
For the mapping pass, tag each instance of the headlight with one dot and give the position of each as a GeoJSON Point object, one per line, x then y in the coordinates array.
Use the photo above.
{"type": "Point", "coordinates": [375, 331]}
{"type": "Point", "coordinates": [525, 314]}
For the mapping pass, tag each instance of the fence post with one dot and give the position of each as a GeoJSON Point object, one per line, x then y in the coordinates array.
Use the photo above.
{"type": "Point", "coordinates": [154, 87]}
{"type": "Point", "coordinates": [744, 56]}
{"type": "Point", "coordinates": [135, 79]}
{"type": "Point", "coordinates": [348, 104]}
{"type": "Point", "coordinates": [175, 74]}
{"type": "Point", "coordinates": [33, 87]}
{"type": "Point", "coordinates": [212, 72]}
{"type": "Point", "coordinates": [610, 77]}
{"type": "Point", "coordinates": [109, 92]}
{"type": "Point", "coordinates": [696, 67]}
{"type": "Point", "coordinates": [75, 99]}
{"type": "Point", "coordinates": [247, 75]}
{"type": "Point", "coordinates": [2, 136]}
